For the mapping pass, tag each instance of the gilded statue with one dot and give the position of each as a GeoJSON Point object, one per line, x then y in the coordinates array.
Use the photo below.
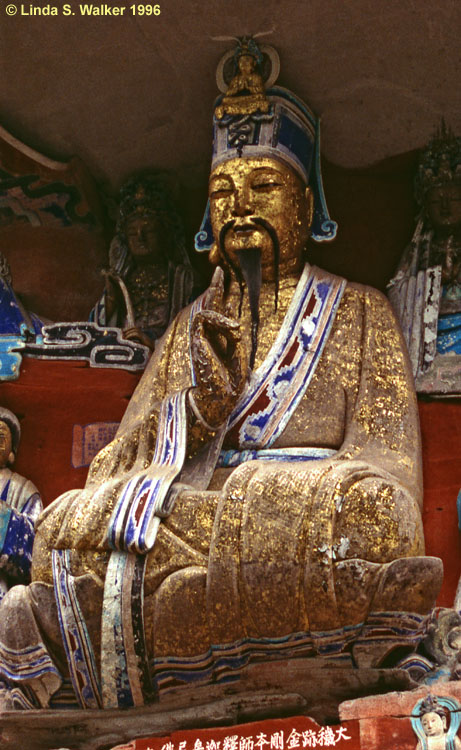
{"type": "Point", "coordinates": [262, 496]}
{"type": "Point", "coordinates": [426, 290]}
{"type": "Point", "coordinates": [245, 93]}
{"type": "Point", "coordinates": [150, 277]}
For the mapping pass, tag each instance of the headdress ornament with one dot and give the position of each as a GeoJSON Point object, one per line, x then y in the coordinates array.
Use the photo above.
{"type": "Point", "coordinates": [431, 705]}
{"type": "Point", "coordinates": [143, 195]}
{"type": "Point", "coordinates": [12, 421]}
{"type": "Point", "coordinates": [251, 120]}
{"type": "Point", "coordinates": [439, 163]}
{"type": "Point", "coordinates": [147, 194]}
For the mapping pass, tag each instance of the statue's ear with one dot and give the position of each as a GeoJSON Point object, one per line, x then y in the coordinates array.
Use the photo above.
{"type": "Point", "coordinates": [11, 458]}
{"type": "Point", "coordinates": [309, 206]}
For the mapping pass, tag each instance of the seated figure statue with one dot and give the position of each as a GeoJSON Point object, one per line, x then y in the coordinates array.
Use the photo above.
{"type": "Point", "coordinates": [426, 290]}
{"type": "Point", "coordinates": [431, 724]}
{"type": "Point", "coordinates": [20, 506]}
{"type": "Point", "coordinates": [150, 277]}
{"type": "Point", "coordinates": [262, 497]}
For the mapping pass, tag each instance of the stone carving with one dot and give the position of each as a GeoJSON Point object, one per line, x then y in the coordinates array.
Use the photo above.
{"type": "Point", "coordinates": [99, 346]}
{"type": "Point", "coordinates": [23, 332]}
{"type": "Point", "coordinates": [20, 506]}
{"type": "Point", "coordinates": [261, 499]}
{"type": "Point", "coordinates": [426, 291]}
{"type": "Point", "coordinates": [430, 723]}
{"type": "Point", "coordinates": [150, 277]}
{"type": "Point", "coordinates": [442, 643]}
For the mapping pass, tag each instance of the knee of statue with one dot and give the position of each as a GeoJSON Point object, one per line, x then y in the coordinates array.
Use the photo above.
{"type": "Point", "coordinates": [379, 521]}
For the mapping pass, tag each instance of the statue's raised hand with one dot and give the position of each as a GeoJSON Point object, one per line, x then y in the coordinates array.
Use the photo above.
{"type": "Point", "coordinates": [220, 363]}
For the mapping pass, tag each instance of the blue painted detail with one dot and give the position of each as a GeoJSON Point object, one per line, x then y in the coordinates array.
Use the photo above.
{"type": "Point", "coordinates": [10, 358]}
{"type": "Point", "coordinates": [16, 541]}
{"type": "Point", "coordinates": [5, 515]}
{"type": "Point", "coordinates": [449, 333]}
{"type": "Point", "coordinates": [16, 328]}
{"type": "Point", "coordinates": [233, 457]}
{"type": "Point", "coordinates": [12, 315]}
{"type": "Point", "coordinates": [458, 506]}
{"type": "Point", "coordinates": [6, 488]}
{"type": "Point", "coordinates": [204, 237]}
{"type": "Point", "coordinates": [296, 140]}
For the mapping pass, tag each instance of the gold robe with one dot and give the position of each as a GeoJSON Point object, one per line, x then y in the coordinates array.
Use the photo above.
{"type": "Point", "coordinates": [269, 549]}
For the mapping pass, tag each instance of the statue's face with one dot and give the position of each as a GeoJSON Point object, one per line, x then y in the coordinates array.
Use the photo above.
{"type": "Point", "coordinates": [443, 207]}
{"type": "Point", "coordinates": [433, 724]}
{"type": "Point", "coordinates": [6, 444]}
{"type": "Point", "coordinates": [143, 235]}
{"type": "Point", "coordinates": [241, 192]}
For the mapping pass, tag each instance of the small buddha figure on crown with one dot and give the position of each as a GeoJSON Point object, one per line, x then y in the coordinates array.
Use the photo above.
{"type": "Point", "coordinates": [245, 93]}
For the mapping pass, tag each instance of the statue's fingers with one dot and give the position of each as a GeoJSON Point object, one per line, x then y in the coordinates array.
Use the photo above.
{"type": "Point", "coordinates": [213, 320]}
{"type": "Point", "coordinates": [215, 293]}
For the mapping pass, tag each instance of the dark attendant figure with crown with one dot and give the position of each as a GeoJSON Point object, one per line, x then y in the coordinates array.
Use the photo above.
{"type": "Point", "coordinates": [262, 497]}
{"type": "Point", "coordinates": [426, 290]}
{"type": "Point", "coordinates": [150, 277]}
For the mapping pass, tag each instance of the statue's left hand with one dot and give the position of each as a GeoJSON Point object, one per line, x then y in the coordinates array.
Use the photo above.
{"type": "Point", "coordinates": [220, 362]}
{"type": "Point", "coordinates": [135, 334]}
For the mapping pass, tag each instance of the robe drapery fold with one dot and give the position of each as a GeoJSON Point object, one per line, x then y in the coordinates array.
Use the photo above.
{"type": "Point", "coordinates": [268, 401]}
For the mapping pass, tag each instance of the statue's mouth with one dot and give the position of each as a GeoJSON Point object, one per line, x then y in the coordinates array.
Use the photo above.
{"type": "Point", "coordinates": [245, 229]}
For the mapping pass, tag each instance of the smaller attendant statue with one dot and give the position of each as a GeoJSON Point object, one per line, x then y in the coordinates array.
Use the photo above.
{"type": "Point", "coordinates": [431, 725]}
{"type": "Point", "coordinates": [20, 506]}
{"type": "Point", "coordinates": [426, 291]}
{"type": "Point", "coordinates": [150, 277]}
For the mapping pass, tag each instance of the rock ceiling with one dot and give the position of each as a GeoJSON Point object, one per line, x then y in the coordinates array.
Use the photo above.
{"type": "Point", "coordinates": [131, 92]}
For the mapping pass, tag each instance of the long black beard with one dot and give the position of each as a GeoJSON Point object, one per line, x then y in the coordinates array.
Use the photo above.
{"type": "Point", "coordinates": [250, 271]}
{"type": "Point", "coordinates": [250, 264]}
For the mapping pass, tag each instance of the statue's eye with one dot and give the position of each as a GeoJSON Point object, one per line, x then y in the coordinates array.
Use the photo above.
{"type": "Point", "coordinates": [267, 183]}
{"type": "Point", "coordinates": [220, 191]}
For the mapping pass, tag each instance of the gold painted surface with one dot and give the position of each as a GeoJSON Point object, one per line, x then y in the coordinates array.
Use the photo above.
{"type": "Point", "coordinates": [245, 94]}
{"type": "Point", "coordinates": [274, 532]}
{"type": "Point", "coordinates": [243, 190]}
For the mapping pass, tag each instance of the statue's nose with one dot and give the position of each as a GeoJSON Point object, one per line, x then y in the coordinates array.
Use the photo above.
{"type": "Point", "coordinates": [242, 204]}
